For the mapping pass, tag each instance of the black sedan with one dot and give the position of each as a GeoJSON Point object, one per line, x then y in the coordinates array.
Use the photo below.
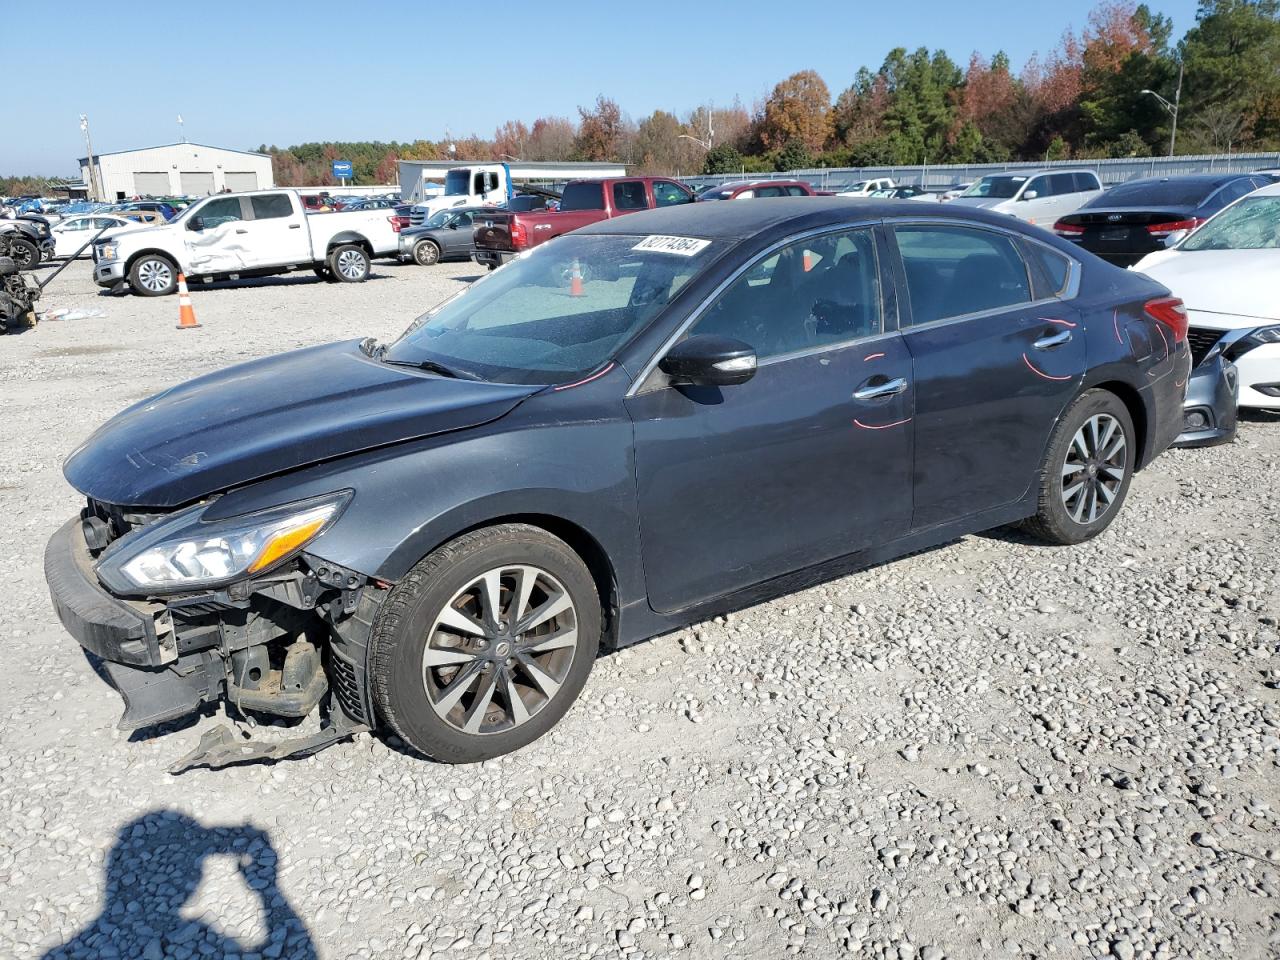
{"type": "Point", "coordinates": [1140, 217]}
{"type": "Point", "coordinates": [446, 235]}
{"type": "Point", "coordinates": [630, 428]}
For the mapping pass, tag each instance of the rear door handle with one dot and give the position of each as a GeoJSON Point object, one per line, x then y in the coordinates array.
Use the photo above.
{"type": "Point", "coordinates": [295, 226]}
{"type": "Point", "coordinates": [1053, 340]}
{"type": "Point", "coordinates": [886, 388]}
{"type": "Point", "coordinates": [242, 231]}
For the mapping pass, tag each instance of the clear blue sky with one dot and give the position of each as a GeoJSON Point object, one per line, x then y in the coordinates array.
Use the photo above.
{"type": "Point", "coordinates": [244, 73]}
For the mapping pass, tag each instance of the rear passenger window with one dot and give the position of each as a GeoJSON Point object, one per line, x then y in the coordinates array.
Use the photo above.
{"type": "Point", "coordinates": [629, 195]}
{"type": "Point", "coordinates": [769, 192]}
{"type": "Point", "coordinates": [1056, 268]}
{"type": "Point", "coordinates": [816, 292]}
{"type": "Point", "coordinates": [796, 192]}
{"type": "Point", "coordinates": [271, 205]}
{"type": "Point", "coordinates": [956, 271]}
{"type": "Point", "coordinates": [1085, 182]}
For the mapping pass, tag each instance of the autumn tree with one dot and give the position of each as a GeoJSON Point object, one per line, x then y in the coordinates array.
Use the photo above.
{"type": "Point", "coordinates": [600, 130]}
{"type": "Point", "coordinates": [509, 140]}
{"type": "Point", "coordinates": [550, 138]}
{"type": "Point", "coordinates": [798, 109]}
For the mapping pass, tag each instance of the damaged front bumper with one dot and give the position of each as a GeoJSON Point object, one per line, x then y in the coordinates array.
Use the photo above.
{"type": "Point", "coordinates": [275, 645]}
{"type": "Point", "coordinates": [1209, 411]}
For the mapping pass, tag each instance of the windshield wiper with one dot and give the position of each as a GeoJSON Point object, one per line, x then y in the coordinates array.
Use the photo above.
{"type": "Point", "coordinates": [431, 366]}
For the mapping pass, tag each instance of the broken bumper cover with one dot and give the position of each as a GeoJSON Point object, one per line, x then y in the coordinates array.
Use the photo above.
{"type": "Point", "coordinates": [1209, 411]}
{"type": "Point", "coordinates": [135, 640]}
{"type": "Point", "coordinates": [107, 273]}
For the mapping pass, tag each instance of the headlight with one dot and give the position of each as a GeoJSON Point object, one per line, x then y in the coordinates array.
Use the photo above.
{"type": "Point", "coordinates": [106, 251]}
{"type": "Point", "coordinates": [184, 552]}
{"type": "Point", "coordinates": [1255, 338]}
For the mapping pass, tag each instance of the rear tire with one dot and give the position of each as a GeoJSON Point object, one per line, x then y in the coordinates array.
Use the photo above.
{"type": "Point", "coordinates": [1086, 472]}
{"type": "Point", "coordinates": [435, 632]}
{"type": "Point", "coordinates": [349, 263]}
{"type": "Point", "coordinates": [426, 253]}
{"type": "Point", "coordinates": [153, 276]}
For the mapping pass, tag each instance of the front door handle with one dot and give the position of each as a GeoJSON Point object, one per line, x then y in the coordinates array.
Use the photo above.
{"type": "Point", "coordinates": [1053, 340]}
{"type": "Point", "coordinates": [882, 388]}
{"type": "Point", "coordinates": [242, 231]}
{"type": "Point", "coordinates": [295, 226]}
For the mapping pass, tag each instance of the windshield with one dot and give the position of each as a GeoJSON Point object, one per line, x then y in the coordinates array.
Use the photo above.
{"type": "Point", "coordinates": [1251, 224]}
{"type": "Point", "coordinates": [531, 322]}
{"type": "Point", "coordinates": [457, 183]}
{"type": "Point", "coordinates": [996, 187]}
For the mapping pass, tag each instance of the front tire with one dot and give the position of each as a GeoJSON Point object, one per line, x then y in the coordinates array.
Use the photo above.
{"type": "Point", "coordinates": [1085, 476]}
{"type": "Point", "coordinates": [485, 644]}
{"type": "Point", "coordinates": [426, 253]}
{"type": "Point", "coordinates": [349, 263]}
{"type": "Point", "coordinates": [24, 253]}
{"type": "Point", "coordinates": [153, 276]}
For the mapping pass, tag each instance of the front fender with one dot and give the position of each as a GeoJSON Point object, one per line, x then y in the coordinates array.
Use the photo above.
{"type": "Point", "coordinates": [412, 497]}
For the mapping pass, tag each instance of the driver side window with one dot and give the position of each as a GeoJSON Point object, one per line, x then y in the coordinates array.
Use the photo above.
{"type": "Point", "coordinates": [220, 211]}
{"type": "Point", "coordinates": [816, 292]}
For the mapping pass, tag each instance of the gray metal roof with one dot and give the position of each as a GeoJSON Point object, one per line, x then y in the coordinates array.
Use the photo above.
{"type": "Point", "coordinates": [180, 143]}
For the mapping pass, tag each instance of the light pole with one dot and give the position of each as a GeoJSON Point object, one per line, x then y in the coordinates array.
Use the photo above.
{"type": "Point", "coordinates": [1172, 108]}
{"type": "Point", "coordinates": [88, 144]}
{"type": "Point", "coordinates": [704, 144]}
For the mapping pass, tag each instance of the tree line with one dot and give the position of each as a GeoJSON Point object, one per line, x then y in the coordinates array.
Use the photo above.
{"type": "Point", "coordinates": [1082, 100]}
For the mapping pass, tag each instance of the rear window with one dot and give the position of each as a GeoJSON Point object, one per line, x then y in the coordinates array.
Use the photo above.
{"type": "Point", "coordinates": [583, 196]}
{"type": "Point", "coordinates": [1170, 191]}
{"type": "Point", "coordinates": [629, 195]}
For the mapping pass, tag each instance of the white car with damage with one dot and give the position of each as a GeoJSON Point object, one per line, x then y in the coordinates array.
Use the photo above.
{"type": "Point", "coordinates": [1228, 274]}
{"type": "Point", "coordinates": [231, 236]}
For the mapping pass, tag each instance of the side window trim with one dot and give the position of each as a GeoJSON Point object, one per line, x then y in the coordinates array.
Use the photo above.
{"type": "Point", "coordinates": [646, 372]}
{"type": "Point", "coordinates": [900, 275]}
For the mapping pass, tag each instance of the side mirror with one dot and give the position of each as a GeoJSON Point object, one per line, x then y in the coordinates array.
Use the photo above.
{"type": "Point", "coordinates": [706, 360]}
{"type": "Point", "coordinates": [196, 223]}
{"type": "Point", "coordinates": [1029, 195]}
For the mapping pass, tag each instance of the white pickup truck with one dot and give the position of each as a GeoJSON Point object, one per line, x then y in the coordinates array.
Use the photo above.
{"type": "Point", "coordinates": [233, 235]}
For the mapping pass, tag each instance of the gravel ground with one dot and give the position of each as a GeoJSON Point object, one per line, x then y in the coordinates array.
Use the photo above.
{"type": "Point", "coordinates": [992, 749]}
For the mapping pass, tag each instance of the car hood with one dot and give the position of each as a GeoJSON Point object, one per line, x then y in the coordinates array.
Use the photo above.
{"type": "Point", "coordinates": [271, 415]}
{"type": "Point", "coordinates": [982, 203]}
{"type": "Point", "coordinates": [1241, 283]}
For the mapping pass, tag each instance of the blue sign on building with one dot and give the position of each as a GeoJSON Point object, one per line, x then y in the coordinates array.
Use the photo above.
{"type": "Point", "coordinates": [342, 169]}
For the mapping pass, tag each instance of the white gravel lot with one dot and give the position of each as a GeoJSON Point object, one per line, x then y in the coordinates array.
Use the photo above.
{"type": "Point", "coordinates": [993, 749]}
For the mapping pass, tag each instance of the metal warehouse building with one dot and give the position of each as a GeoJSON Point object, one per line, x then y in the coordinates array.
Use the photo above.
{"type": "Point", "coordinates": [192, 169]}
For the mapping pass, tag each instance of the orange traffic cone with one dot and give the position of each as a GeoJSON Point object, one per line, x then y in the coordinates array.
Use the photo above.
{"type": "Point", "coordinates": [575, 285]}
{"type": "Point", "coordinates": [186, 315]}
{"type": "Point", "coordinates": [808, 261]}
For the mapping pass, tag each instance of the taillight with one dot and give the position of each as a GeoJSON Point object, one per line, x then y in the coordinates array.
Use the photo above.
{"type": "Point", "coordinates": [396, 224]}
{"type": "Point", "coordinates": [1171, 312]}
{"type": "Point", "coordinates": [1068, 229]}
{"type": "Point", "coordinates": [519, 235]}
{"type": "Point", "coordinates": [1164, 229]}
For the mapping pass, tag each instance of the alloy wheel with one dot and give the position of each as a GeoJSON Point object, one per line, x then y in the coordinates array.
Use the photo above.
{"type": "Point", "coordinates": [500, 649]}
{"type": "Point", "coordinates": [1094, 468]}
{"type": "Point", "coordinates": [155, 275]}
{"type": "Point", "coordinates": [351, 264]}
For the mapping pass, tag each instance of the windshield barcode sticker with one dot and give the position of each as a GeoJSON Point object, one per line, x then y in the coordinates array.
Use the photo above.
{"type": "Point", "coordinates": [683, 246]}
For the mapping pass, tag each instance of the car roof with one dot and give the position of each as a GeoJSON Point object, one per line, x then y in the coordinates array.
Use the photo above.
{"type": "Point", "coordinates": [1208, 179]}
{"type": "Point", "coordinates": [736, 221]}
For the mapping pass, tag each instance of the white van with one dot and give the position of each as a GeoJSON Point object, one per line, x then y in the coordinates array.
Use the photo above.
{"type": "Point", "coordinates": [1036, 196]}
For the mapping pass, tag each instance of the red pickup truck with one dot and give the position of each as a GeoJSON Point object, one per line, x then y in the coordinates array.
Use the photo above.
{"type": "Point", "coordinates": [501, 234]}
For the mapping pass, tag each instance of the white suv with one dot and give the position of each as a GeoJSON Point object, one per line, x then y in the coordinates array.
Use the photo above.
{"type": "Point", "coordinates": [1036, 196]}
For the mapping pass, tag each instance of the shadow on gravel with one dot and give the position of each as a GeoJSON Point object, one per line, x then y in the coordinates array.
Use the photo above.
{"type": "Point", "coordinates": [155, 867]}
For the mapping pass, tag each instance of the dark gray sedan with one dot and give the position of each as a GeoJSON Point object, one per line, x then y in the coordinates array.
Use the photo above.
{"type": "Point", "coordinates": [447, 235]}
